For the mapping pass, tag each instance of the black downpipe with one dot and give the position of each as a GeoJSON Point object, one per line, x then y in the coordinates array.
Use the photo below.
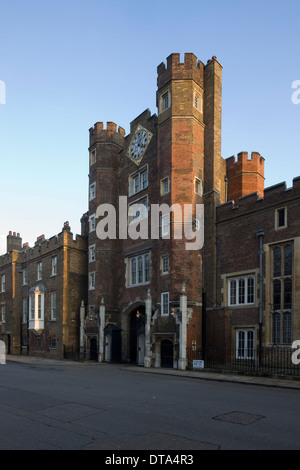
{"type": "Point", "coordinates": [203, 324]}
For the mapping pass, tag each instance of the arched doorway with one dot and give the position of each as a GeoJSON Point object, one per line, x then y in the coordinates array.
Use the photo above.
{"type": "Point", "coordinates": [166, 353]}
{"type": "Point", "coordinates": [137, 335]}
{"type": "Point", "coordinates": [112, 335]}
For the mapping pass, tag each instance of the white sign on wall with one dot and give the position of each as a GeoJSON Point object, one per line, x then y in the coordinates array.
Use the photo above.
{"type": "Point", "coordinates": [198, 364]}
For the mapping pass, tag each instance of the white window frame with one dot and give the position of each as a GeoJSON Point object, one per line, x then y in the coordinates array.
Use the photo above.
{"type": "Point", "coordinates": [165, 101]}
{"type": "Point", "coordinates": [92, 253]}
{"type": "Point", "coordinates": [39, 271]}
{"type": "Point", "coordinates": [136, 183]}
{"type": "Point", "coordinates": [165, 299]}
{"type": "Point", "coordinates": [51, 345]}
{"type": "Point", "coordinates": [3, 313]}
{"type": "Point", "coordinates": [236, 280]}
{"type": "Point", "coordinates": [54, 266]}
{"type": "Point", "coordinates": [247, 351]}
{"type": "Point", "coordinates": [165, 225]}
{"type": "Point", "coordinates": [92, 191]}
{"type": "Point", "coordinates": [92, 280]}
{"type": "Point", "coordinates": [162, 186]}
{"type": "Point", "coordinates": [163, 270]}
{"type": "Point", "coordinates": [2, 282]}
{"type": "Point", "coordinates": [139, 269]}
{"type": "Point", "coordinates": [198, 186]}
{"type": "Point", "coordinates": [53, 305]}
{"type": "Point", "coordinates": [36, 310]}
{"type": "Point", "coordinates": [92, 223]}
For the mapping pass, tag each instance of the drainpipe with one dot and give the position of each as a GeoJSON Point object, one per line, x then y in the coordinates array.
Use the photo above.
{"type": "Point", "coordinates": [82, 316]}
{"type": "Point", "coordinates": [260, 234]}
{"type": "Point", "coordinates": [203, 324]}
{"type": "Point", "coordinates": [182, 363]}
{"type": "Point", "coordinates": [101, 330]}
{"type": "Point", "coordinates": [147, 359]}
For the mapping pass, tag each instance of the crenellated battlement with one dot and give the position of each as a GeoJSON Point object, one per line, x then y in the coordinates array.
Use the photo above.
{"type": "Point", "coordinates": [191, 68]}
{"type": "Point", "coordinates": [273, 196]}
{"type": "Point", "coordinates": [245, 175]}
{"type": "Point", "coordinates": [44, 245]}
{"type": "Point", "coordinates": [111, 133]}
{"type": "Point", "coordinates": [244, 162]}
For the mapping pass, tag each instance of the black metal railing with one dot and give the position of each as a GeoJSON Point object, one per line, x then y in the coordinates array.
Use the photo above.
{"type": "Point", "coordinates": [271, 360]}
{"type": "Point", "coordinates": [71, 353]}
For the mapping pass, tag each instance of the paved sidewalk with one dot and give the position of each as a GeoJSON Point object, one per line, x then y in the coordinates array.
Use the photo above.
{"type": "Point", "coordinates": [222, 377]}
{"type": "Point", "coordinates": [200, 375]}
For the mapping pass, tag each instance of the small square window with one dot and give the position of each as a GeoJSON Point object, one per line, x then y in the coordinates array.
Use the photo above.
{"type": "Point", "coordinates": [198, 187]}
{"type": "Point", "coordinates": [92, 253]}
{"type": "Point", "coordinates": [281, 218]}
{"type": "Point", "coordinates": [92, 191]}
{"type": "Point", "coordinates": [165, 264]}
{"type": "Point", "coordinates": [164, 186]}
{"type": "Point", "coordinates": [93, 156]}
{"type": "Point", "coordinates": [92, 277]}
{"type": "Point", "coordinates": [164, 101]}
{"type": "Point", "coordinates": [92, 221]}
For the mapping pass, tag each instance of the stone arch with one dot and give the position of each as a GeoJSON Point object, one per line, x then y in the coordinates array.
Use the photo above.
{"type": "Point", "coordinates": [133, 326]}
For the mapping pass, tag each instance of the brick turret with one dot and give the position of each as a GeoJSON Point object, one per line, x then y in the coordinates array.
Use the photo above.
{"type": "Point", "coordinates": [191, 69]}
{"type": "Point", "coordinates": [245, 175]}
{"type": "Point", "coordinates": [105, 147]}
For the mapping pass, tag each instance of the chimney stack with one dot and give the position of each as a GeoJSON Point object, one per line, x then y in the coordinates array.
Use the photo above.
{"type": "Point", "coordinates": [14, 242]}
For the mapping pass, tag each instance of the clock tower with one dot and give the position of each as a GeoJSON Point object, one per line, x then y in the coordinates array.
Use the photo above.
{"type": "Point", "coordinates": [151, 286]}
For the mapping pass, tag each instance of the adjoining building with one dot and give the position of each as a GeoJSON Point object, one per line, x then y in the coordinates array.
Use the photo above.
{"type": "Point", "coordinates": [258, 271]}
{"type": "Point", "coordinates": [41, 292]}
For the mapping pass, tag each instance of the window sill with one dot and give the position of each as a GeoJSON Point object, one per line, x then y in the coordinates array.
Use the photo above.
{"type": "Point", "coordinates": [139, 285]}
{"type": "Point", "coordinates": [243, 306]}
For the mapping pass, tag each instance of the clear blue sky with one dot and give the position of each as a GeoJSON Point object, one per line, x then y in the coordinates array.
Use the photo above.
{"type": "Point", "coordinates": [68, 64]}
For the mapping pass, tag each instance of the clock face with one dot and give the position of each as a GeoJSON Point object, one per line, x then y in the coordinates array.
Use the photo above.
{"type": "Point", "coordinates": [138, 144]}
